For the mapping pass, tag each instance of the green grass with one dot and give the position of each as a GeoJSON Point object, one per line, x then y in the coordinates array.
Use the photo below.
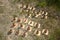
{"type": "Point", "coordinates": [55, 35]}
{"type": "Point", "coordinates": [1, 9]}
{"type": "Point", "coordinates": [1, 35]}
{"type": "Point", "coordinates": [20, 38]}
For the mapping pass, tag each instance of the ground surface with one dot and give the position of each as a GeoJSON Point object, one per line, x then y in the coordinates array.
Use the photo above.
{"type": "Point", "coordinates": [8, 8]}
